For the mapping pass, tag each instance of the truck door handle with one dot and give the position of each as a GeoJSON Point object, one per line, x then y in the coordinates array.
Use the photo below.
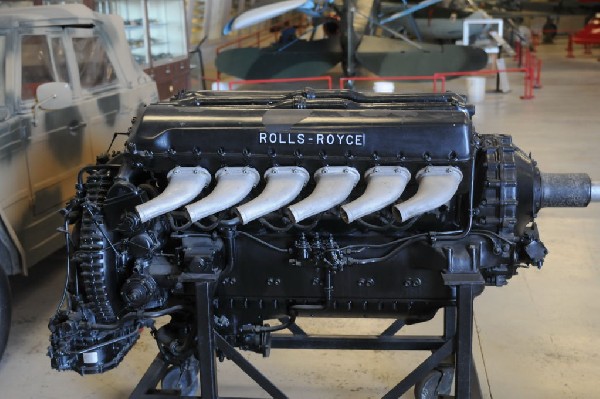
{"type": "Point", "coordinates": [75, 128]}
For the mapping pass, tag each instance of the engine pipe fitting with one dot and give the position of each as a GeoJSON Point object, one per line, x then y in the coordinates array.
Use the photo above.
{"type": "Point", "coordinates": [185, 184]}
{"type": "Point", "coordinates": [334, 185]}
{"type": "Point", "coordinates": [233, 185]}
{"type": "Point", "coordinates": [283, 186]}
{"type": "Point", "coordinates": [568, 190]}
{"type": "Point", "coordinates": [437, 185]}
{"type": "Point", "coordinates": [385, 184]}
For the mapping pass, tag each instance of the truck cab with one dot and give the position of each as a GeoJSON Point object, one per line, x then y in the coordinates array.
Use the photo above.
{"type": "Point", "coordinates": [69, 83]}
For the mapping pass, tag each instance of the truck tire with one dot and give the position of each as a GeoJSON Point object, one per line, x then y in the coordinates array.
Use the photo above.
{"type": "Point", "coordinates": [5, 310]}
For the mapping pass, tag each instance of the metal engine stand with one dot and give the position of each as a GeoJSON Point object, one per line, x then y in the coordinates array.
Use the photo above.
{"type": "Point", "coordinates": [451, 351]}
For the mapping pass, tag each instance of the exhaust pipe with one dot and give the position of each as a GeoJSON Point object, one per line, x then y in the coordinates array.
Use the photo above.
{"type": "Point", "coordinates": [385, 184]}
{"type": "Point", "coordinates": [437, 185]}
{"type": "Point", "coordinates": [233, 185]}
{"type": "Point", "coordinates": [283, 185]}
{"type": "Point", "coordinates": [185, 184]}
{"type": "Point", "coordinates": [334, 185]}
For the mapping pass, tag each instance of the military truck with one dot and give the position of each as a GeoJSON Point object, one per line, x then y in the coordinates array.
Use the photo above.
{"type": "Point", "coordinates": [70, 82]}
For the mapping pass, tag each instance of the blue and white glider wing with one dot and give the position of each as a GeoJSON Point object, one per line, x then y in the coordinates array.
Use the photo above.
{"type": "Point", "coordinates": [260, 14]}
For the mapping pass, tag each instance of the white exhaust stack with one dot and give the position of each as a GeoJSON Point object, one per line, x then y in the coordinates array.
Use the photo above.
{"type": "Point", "coordinates": [437, 185]}
{"type": "Point", "coordinates": [283, 185]}
{"type": "Point", "coordinates": [385, 184]}
{"type": "Point", "coordinates": [334, 185]}
{"type": "Point", "coordinates": [233, 185]}
{"type": "Point", "coordinates": [185, 184]}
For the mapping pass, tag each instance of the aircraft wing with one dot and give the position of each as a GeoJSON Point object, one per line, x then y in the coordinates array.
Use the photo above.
{"type": "Point", "coordinates": [260, 14]}
{"type": "Point", "coordinates": [272, 10]}
{"type": "Point", "coordinates": [392, 57]}
{"type": "Point", "coordinates": [298, 60]}
{"type": "Point", "coordinates": [409, 10]}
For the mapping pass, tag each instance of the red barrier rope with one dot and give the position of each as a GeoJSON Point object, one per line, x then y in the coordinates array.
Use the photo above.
{"type": "Point", "coordinates": [532, 77]}
{"type": "Point", "coordinates": [390, 78]}
{"type": "Point", "coordinates": [528, 81]}
{"type": "Point", "coordinates": [282, 80]}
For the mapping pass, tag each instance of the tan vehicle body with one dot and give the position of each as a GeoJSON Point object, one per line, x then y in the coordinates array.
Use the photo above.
{"type": "Point", "coordinates": [44, 144]}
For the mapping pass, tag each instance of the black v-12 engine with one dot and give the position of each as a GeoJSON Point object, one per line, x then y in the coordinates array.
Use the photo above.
{"type": "Point", "coordinates": [324, 203]}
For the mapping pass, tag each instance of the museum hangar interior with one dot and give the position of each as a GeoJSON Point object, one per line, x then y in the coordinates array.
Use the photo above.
{"type": "Point", "coordinates": [529, 70]}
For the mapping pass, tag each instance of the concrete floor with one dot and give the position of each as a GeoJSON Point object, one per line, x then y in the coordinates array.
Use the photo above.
{"type": "Point", "coordinates": [538, 337]}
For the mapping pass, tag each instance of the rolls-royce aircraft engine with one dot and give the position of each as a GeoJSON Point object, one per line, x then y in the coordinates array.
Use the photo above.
{"type": "Point", "coordinates": [323, 203]}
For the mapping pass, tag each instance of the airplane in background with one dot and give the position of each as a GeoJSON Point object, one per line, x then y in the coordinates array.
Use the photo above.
{"type": "Point", "coordinates": [396, 55]}
{"type": "Point", "coordinates": [441, 21]}
{"type": "Point", "coordinates": [546, 7]}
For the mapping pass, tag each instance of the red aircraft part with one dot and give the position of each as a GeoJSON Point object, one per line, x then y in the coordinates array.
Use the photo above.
{"type": "Point", "coordinates": [590, 34]}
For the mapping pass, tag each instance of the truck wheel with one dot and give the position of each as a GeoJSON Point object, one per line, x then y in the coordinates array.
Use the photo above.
{"type": "Point", "coordinates": [5, 310]}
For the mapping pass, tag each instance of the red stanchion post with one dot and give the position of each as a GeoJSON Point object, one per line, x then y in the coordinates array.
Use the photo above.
{"type": "Point", "coordinates": [570, 47]}
{"type": "Point", "coordinates": [525, 82]}
{"type": "Point", "coordinates": [531, 81]}
{"type": "Point", "coordinates": [535, 40]}
{"type": "Point", "coordinates": [517, 51]}
{"type": "Point", "coordinates": [531, 74]}
{"type": "Point", "coordinates": [528, 83]}
{"type": "Point", "coordinates": [538, 76]}
{"type": "Point", "coordinates": [531, 70]}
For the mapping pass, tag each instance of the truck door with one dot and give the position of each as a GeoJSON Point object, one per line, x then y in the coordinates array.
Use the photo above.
{"type": "Point", "coordinates": [104, 97]}
{"type": "Point", "coordinates": [59, 143]}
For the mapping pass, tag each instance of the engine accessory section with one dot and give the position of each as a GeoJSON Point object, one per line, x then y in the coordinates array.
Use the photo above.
{"type": "Point", "coordinates": [266, 207]}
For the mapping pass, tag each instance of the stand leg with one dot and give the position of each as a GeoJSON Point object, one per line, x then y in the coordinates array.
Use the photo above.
{"type": "Point", "coordinates": [206, 340]}
{"type": "Point", "coordinates": [467, 381]}
{"type": "Point", "coordinates": [464, 340]}
{"type": "Point", "coordinates": [449, 322]}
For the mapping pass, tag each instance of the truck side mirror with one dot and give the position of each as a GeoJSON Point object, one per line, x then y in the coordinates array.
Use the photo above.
{"type": "Point", "coordinates": [51, 96]}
